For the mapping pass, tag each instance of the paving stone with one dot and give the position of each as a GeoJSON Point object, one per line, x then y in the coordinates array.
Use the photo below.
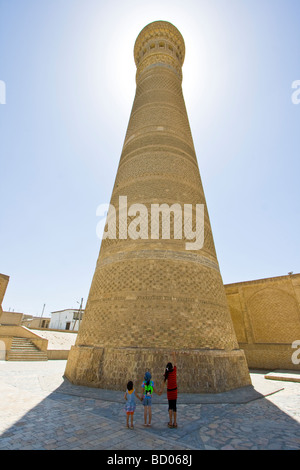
{"type": "Point", "coordinates": [53, 414]}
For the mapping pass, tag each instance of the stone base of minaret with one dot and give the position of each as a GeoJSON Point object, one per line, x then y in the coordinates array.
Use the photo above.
{"type": "Point", "coordinates": [198, 371]}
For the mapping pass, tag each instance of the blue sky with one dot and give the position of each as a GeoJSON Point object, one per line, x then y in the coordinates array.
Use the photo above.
{"type": "Point", "coordinates": [70, 81]}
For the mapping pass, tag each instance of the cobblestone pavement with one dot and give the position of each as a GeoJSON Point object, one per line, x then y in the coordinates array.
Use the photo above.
{"type": "Point", "coordinates": [39, 409]}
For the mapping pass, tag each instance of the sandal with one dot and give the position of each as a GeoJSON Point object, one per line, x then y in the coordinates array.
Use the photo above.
{"type": "Point", "coordinates": [170, 425]}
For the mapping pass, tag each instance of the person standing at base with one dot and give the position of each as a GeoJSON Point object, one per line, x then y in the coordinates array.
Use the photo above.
{"type": "Point", "coordinates": [147, 392]}
{"type": "Point", "coordinates": [170, 377]}
{"type": "Point", "coordinates": [130, 405]}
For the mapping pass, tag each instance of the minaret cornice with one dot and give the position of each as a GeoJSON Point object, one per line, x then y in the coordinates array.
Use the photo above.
{"type": "Point", "coordinates": [159, 42]}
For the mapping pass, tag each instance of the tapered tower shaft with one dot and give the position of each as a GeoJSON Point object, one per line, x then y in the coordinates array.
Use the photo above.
{"type": "Point", "coordinates": [155, 288]}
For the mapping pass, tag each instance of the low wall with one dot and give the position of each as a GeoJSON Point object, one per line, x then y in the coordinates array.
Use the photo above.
{"type": "Point", "coordinates": [58, 354]}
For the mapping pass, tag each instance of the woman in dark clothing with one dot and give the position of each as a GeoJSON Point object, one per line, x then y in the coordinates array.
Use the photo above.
{"type": "Point", "coordinates": [170, 377]}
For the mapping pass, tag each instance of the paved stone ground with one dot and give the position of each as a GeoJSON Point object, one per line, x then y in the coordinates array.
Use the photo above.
{"type": "Point", "coordinates": [41, 410]}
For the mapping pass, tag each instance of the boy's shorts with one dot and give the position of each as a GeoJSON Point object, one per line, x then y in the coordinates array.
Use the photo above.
{"type": "Point", "coordinates": [147, 401]}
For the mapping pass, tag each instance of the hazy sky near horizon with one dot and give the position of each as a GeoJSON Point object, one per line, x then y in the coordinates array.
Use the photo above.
{"type": "Point", "coordinates": [69, 73]}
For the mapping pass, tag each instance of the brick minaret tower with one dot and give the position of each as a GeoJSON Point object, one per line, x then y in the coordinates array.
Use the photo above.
{"type": "Point", "coordinates": [151, 295]}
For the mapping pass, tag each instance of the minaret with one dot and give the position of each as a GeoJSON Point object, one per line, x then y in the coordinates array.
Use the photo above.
{"type": "Point", "coordinates": [154, 291]}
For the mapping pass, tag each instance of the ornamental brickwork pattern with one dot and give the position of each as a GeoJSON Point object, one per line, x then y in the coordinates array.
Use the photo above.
{"type": "Point", "coordinates": [153, 294]}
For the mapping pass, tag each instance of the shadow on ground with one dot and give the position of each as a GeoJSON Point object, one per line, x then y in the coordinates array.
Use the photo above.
{"type": "Point", "coordinates": [76, 417]}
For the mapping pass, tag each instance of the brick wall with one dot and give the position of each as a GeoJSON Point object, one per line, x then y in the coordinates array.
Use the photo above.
{"type": "Point", "coordinates": [266, 318]}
